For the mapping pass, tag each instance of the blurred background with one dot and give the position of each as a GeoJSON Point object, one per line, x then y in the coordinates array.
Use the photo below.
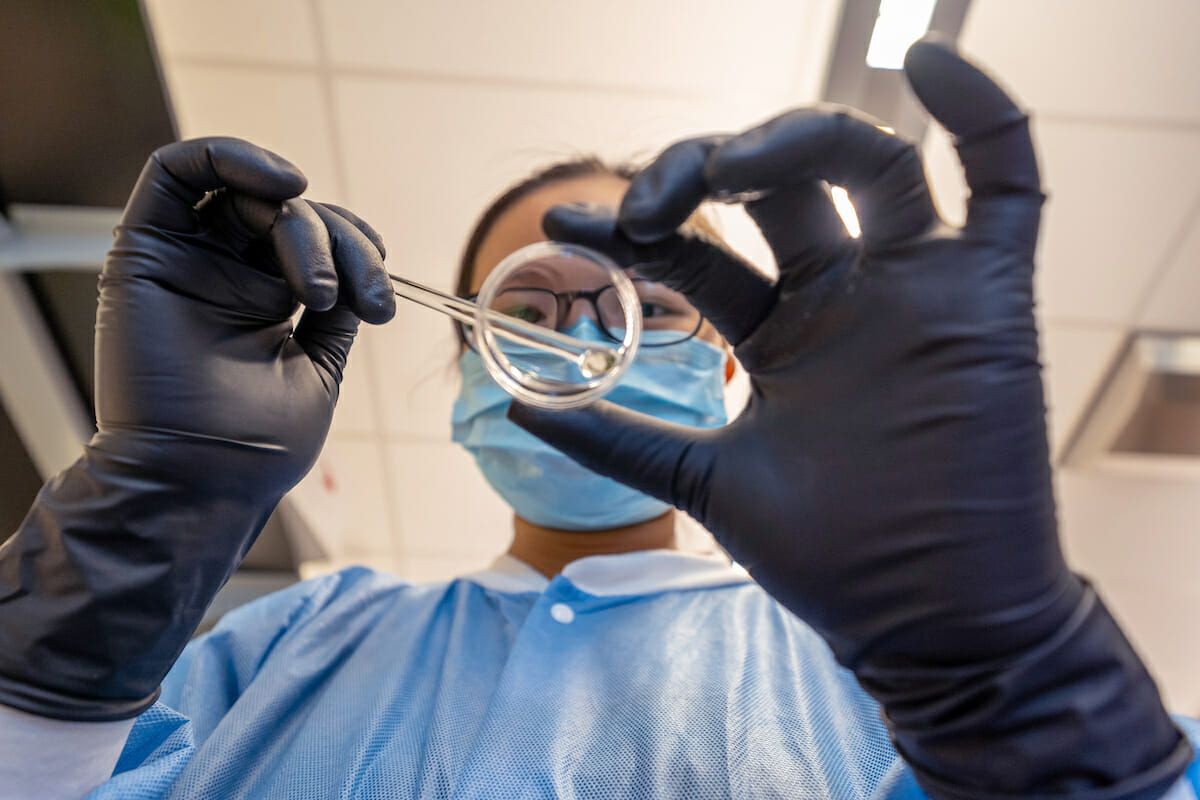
{"type": "Point", "coordinates": [416, 114]}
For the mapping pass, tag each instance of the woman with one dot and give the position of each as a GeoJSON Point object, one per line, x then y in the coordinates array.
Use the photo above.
{"type": "Point", "coordinates": [594, 659]}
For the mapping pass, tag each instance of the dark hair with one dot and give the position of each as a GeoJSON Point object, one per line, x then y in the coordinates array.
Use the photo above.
{"type": "Point", "coordinates": [580, 167]}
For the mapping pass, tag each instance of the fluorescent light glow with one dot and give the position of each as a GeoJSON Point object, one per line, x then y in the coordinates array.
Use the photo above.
{"type": "Point", "coordinates": [900, 23]}
{"type": "Point", "coordinates": [845, 209]}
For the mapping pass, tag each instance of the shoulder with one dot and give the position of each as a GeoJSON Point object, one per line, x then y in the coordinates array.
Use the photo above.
{"type": "Point", "coordinates": [325, 612]}
{"type": "Point", "coordinates": [352, 588]}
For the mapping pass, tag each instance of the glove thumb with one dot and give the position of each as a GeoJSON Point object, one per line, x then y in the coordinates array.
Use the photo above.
{"type": "Point", "coordinates": [666, 461]}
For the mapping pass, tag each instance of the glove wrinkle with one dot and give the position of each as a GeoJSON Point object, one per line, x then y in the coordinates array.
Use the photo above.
{"type": "Point", "coordinates": [945, 719]}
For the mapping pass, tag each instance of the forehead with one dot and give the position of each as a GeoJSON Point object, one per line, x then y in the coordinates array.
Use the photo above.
{"type": "Point", "coordinates": [521, 224]}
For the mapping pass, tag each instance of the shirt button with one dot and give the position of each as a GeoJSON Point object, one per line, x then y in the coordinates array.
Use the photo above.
{"type": "Point", "coordinates": [562, 613]}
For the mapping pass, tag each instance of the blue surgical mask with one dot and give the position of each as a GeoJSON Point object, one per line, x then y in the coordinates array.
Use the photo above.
{"type": "Point", "coordinates": [681, 383]}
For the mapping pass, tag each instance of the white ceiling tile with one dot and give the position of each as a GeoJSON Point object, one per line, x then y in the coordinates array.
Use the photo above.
{"type": "Point", "coordinates": [1174, 303]}
{"type": "Point", "coordinates": [944, 173]}
{"type": "Point", "coordinates": [652, 45]}
{"type": "Point", "coordinates": [1136, 529]}
{"type": "Point", "coordinates": [1117, 197]}
{"type": "Point", "coordinates": [740, 232]}
{"type": "Point", "coordinates": [443, 504]}
{"type": "Point", "coordinates": [1076, 359]}
{"type": "Point", "coordinates": [413, 362]}
{"type": "Point", "coordinates": [281, 111]}
{"type": "Point", "coordinates": [356, 407]}
{"type": "Point", "coordinates": [424, 158]}
{"type": "Point", "coordinates": [343, 500]}
{"type": "Point", "coordinates": [1095, 58]}
{"type": "Point", "coordinates": [274, 31]}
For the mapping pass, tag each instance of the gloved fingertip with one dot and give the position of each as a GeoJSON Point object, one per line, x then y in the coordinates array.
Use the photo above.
{"type": "Point", "coordinates": [528, 417]}
{"type": "Point", "coordinates": [929, 54]}
{"type": "Point", "coordinates": [378, 309]}
{"type": "Point", "coordinates": [929, 45]}
{"type": "Point", "coordinates": [582, 223]}
{"type": "Point", "coordinates": [964, 99]}
{"type": "Point", "coordinates": [557, 427]}
{"type": "Point", "coordinates": [292, 182]}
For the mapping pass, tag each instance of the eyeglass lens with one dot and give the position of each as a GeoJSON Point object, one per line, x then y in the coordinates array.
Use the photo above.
{"type": "Point", "coordinates": [555, 293]}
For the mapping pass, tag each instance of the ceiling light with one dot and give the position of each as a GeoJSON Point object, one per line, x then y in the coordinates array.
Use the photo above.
{"type": "Point", "coordinates": [899, 24]}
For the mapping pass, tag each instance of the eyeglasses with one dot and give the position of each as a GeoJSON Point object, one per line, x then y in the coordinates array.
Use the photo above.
{"type": "Point", "coordinates": [663, 309]}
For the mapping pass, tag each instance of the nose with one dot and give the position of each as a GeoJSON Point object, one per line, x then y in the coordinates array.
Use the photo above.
{"type": "Point", "coordinates": [579, 308]}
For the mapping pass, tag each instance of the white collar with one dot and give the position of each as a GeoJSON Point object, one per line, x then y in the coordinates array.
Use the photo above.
{"type": "Point", "coordinates": [641, 572]}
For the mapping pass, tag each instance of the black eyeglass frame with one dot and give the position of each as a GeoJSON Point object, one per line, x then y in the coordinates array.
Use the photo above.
{"type": "Point", "coordinates": [567, 299]}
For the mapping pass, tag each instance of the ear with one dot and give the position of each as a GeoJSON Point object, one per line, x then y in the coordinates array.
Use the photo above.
{"type": "Point", "coordinates": [730, 364]}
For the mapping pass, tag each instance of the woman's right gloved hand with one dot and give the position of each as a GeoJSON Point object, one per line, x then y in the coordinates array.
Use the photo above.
{"type": "Point", "coordinates": [889, 479]}
{"type": "Point", "coordinates": [209, 408]}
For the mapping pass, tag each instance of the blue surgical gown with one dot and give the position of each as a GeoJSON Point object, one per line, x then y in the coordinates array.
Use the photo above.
{"type": "Point", "coordinates": [644, 675]}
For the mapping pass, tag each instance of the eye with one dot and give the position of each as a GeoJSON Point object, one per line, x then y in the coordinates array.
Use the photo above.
{"type": "Point", "coordinates": [659, 302]}
{"type": "Point", "coordinates": [525, 313]}
{"type": "Point", "coordinates": [652, 310]}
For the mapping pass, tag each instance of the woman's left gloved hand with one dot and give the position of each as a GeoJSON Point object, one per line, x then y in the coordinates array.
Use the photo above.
{"type": "Point", "coordinates": [889, 479]}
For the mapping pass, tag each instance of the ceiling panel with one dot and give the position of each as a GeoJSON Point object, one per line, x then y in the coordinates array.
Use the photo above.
{"type": "Point", "coordinates": [1093, 58]}
{"type": "Point", "coordinates": [273, 31]}
{"type": "Point", "coordinates": [944, 172]}
{"type": "Point", "coordinates": [1117, 198]}
{"type": "Point", "coordinates": [1076, 359]}
{"type": "Point", "coordinates": [1131, 528]}
{"type": "Point", "coordinates": [283, 111]}
{"type": "Point", "coordinates": [343, 500]}
{"type": "Point", "coordinates": [423, 158]}
{"type": "Point", "coordinates": [1174, 303]}
{"type": "Point", "coordinates": [414, 375]}
{"type": "Point", "coordinates": [356, 413]}
{"type": "Point", "coordinates": [653, 46]}
{"type": "Point", "coordinates": [443, 505]}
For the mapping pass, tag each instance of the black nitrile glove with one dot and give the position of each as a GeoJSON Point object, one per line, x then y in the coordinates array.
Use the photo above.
{"type": "Point", "coordinates": [209, 409]}
{"type": "Point", "coordinates": [889, 480]}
